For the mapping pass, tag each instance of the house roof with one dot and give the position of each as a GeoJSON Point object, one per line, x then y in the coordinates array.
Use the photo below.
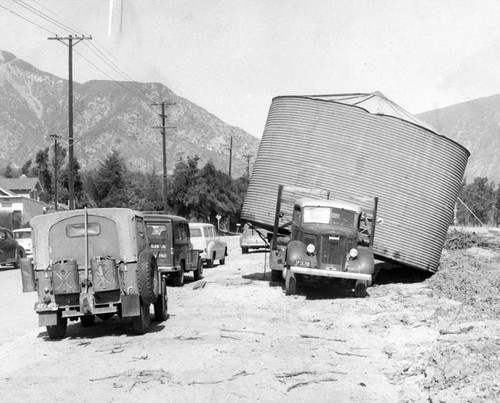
{"type": "Point", "coordinates": [19, 184]}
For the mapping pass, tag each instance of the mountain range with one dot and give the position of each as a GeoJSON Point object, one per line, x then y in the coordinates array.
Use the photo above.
{"type": "Point", "coordinates": [475, 125]}
{"type": "Point", "coordinates": [111, 115]}
{"type": "Point", "coordinates": [122, 116]}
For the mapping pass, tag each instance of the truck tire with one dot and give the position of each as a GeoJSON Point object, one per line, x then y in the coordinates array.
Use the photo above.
{"type": "Point", "coordinates": [58, 331]}
{"type": "Point", "coordinates": [87, 320]}
{"type": "Point", "coordinates": [179, 277]}
{"type": "Point", "coordinates": [276, 275]}
{"type": "Point", "coordinates": [360, 289]}
{"type": "Point", "coordinates": [161, 304]}
{"type": "Point", "coordinates": [140, 324]}
{"type": "Point", "coordinates": [244, 250]}
{"type": "Point", "coordinates": [147, 277]}
{"type": "Point", "coordinates": [198, 273]}
{"type": "Point", "coordinates": [290, 283]}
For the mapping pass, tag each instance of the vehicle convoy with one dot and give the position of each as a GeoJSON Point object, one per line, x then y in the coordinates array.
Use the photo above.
{"type": "Point", "coordinates": [169, 238]}
{"type": "Point", "coordinates": [205, 238]}
{"type": "Point", "coordinates": [325, 238]}
{"type": "Point", "coordinates": [11, 252]}
{"type": "Point", "coordinates": [93, 262]}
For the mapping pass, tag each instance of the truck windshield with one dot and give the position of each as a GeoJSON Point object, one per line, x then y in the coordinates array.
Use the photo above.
{"type": "Point", "coordinates": [329, 215]}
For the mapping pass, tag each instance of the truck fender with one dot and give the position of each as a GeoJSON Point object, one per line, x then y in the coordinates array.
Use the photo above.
{"type": "Point", "coordinates": [364, 262]}
{"type": "Point", "coordinates": [295, 250]}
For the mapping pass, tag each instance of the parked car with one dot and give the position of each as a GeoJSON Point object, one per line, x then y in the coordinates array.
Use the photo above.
{"type": "Point", "coordinates": [93, 262]}
{"type": "Point", "coordinates": [11, 252]}
{"type": "Point", "coordinates": [23, 238]}
{"type": "Point", "coordinates": [253, 238]}
{"type": "Point", "coordinates": [205, 237]}
{"type": "Point", "coordinates": [170, 241]}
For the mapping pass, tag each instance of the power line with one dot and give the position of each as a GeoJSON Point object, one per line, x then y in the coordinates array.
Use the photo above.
{"type": "Point", "coordinates": [61, 25]}
{"type": "Point", "coordinates": [26, 19]}
{"type": "Point", "coordinates": [43, 16]}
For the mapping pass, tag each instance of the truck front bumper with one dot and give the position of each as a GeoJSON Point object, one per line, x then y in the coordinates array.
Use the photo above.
{"type": "Point", "coordinates": [331, 273]}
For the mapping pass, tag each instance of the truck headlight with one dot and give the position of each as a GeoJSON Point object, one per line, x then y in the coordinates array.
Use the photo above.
{"type": "Point", "coordinates": [353, 253]}
{"type": "Point", "coordinates": [310, 248]}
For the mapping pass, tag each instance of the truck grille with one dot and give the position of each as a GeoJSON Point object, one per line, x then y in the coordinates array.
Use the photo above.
{"type": "Point", "coordinates": [332, 249]}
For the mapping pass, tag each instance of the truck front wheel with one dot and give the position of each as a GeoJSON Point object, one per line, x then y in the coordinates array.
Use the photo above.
{"type": "Point", "coordinates": [360, 289]}
{"type": "Point", "coordinates": [276, 275]}
{"type": "Point", "coordinates": [58, 331]}
{"type": "Point", "coordinates": [290, 283]}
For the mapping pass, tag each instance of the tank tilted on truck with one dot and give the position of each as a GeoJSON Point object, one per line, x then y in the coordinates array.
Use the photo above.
{"type": "Point", "coordinates": [94, 262]}
{"type": "Point", "coordinates": [322, 237]}
{"type": "Point", "coordinates": [356, 145]}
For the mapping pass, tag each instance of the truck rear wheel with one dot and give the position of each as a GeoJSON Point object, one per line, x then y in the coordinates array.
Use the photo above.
{"type": "Point", "coordinates": [140, 324]}
{"type": "Point", "coordinates": [161, 304]}
{"type": "Point", "coordinates": [58, 331]}
{"type": "Point", "coordinates": [198, 273]}
{"type": "Point", "coordinates": [179, 277]}
{"type": "Point", "coordinates": [147, 277]}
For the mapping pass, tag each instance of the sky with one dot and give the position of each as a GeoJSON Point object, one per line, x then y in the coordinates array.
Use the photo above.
{"type": "Point", "coordinates": [232, 57]}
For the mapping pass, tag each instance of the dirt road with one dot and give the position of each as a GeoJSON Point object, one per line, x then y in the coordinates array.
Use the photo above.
{"type": "Point", "coordinates": [235, 336]}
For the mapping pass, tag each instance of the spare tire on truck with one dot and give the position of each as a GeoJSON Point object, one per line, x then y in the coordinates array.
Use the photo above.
{"type": "Point", "coordinates": [147, 277]}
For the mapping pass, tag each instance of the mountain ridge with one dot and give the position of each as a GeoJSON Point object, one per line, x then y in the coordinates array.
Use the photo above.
{"type": "Point", "coordinates": [110, 115]}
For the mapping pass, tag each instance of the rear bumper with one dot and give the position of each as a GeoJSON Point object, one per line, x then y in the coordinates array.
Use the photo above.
{"type": "Point", "coordinates": [331, 273]}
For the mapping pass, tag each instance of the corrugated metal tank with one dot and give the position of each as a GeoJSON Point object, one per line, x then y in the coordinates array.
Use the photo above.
{"type": "Point", "coordinates": [317, 141]}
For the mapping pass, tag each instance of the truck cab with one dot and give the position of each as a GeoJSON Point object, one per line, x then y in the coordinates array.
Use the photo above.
{"type": "Point", "coordinates": [327, 238]}
{"type": "Point", "coordinates": [169, 238]}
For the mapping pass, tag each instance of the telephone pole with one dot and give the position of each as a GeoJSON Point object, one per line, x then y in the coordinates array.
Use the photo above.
{"type": "Point", "coordinates": [55, 137]}
{"type": "Point", "coordinates": [230, 155]}
{"type": "Point", "coordinates": [248, 156]}
{"type": "Point", "coordinates": [72, 40]}
{"type": "Point", "coordinates": [163, 128]}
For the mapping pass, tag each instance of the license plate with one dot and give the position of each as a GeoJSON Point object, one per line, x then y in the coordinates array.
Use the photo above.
{"type": "Point", "coordinates": [302, 263]}
{"type": "Point", "coordinates": [162, 256]}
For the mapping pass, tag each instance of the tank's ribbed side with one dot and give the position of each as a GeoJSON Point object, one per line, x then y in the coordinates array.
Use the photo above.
{"type": "Point", "coordinates": [415, 173]}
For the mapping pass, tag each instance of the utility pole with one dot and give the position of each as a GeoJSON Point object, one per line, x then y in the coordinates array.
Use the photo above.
{"type": "Point", "coordinates": [248, 156]}
{"type": "Point", "coordinates": [163, 128]}
{"type": "Point", "coordinates": [56, 137]}
{"type": "Point", "coordinates": [230, 155]}
{"type": "Point", "coordinates": [72, 40]}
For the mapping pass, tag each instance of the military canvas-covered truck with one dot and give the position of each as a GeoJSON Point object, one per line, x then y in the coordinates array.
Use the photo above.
{"type": "Point", "coordinates": [94, 262]}
{"type": "Point", "coordinates": [169, 238]}
{"type": "Point", "coordinates": [321, 237]}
